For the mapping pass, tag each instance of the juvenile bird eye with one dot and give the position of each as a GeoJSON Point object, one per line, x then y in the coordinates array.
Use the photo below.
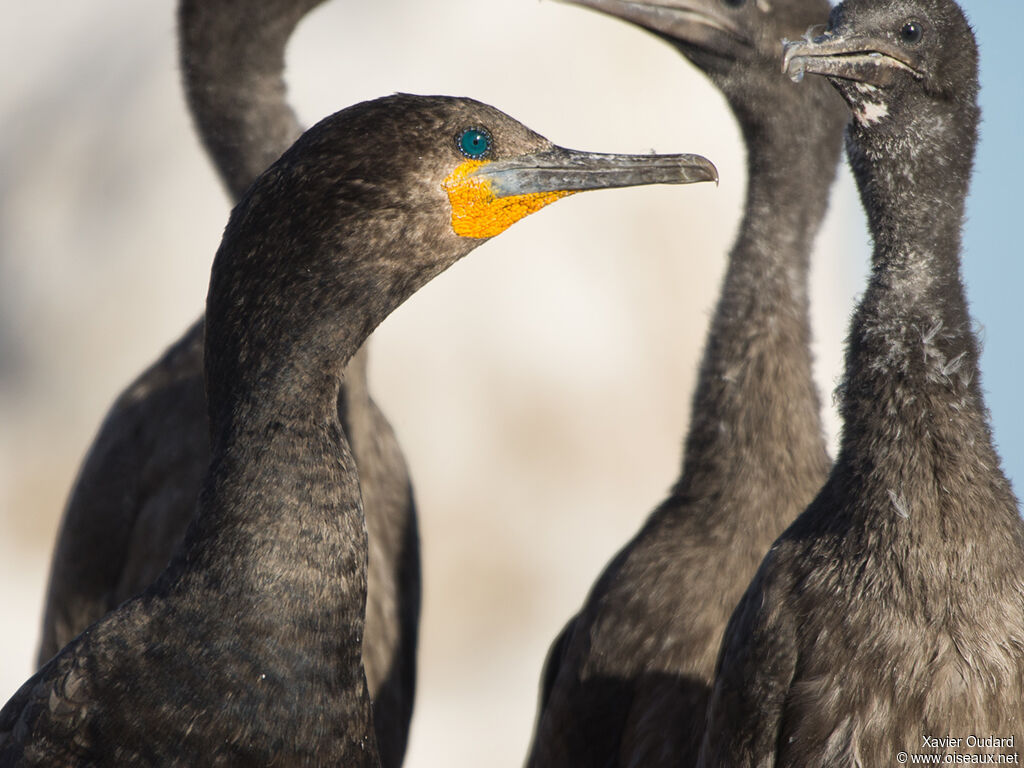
{"type": "Point", "coordinates": [911, 33]}
{"type": "Point", "coordinates": [474, 142]}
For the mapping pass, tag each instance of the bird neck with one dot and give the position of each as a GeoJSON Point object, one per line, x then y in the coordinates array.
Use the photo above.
{"type": "Point", "coordinates": [232, 65]}
{"type": "Point", "coordinates": [788, 185]}
{"type": "Point", "coordinates": [911, 332]}
{"type": "Point", "coordinates": [277, 557]}
{"type": "Point", "coordinates": [278, 546]}
{"type": "Point", "coordinates": [916, 431]}
{"type": "Point", "coordinates": [275, 352]}
{"type": "Point", "coordinates": [282, 494]}
{"type": "Point", "coordinates": [282, 487]}
{"type": "Point", "coordinates": [280, 515]}
{"type": "Point", "coordinates": [755, 394]}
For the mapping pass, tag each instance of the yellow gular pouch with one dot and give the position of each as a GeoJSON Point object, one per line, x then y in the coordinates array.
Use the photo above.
{"type": "Point", "coordinates": [476, 212]}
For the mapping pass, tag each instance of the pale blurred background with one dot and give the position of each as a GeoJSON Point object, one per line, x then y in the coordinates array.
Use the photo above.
{"type": "Point", "coordinates": [540, 389]}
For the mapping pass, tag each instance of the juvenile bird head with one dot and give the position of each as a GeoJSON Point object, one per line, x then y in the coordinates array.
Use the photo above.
{"type": "Point", "coordinates": [904, 68]}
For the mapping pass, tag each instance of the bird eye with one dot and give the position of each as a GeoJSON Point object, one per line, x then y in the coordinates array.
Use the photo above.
{"type": "Point", "coordinates": [911, 33]}
{"type": "Point", "coordinates": [474, 143]}
{"type": "Point", "coordinates": [734, 3]}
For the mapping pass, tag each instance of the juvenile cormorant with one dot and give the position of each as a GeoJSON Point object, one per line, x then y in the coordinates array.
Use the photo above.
{"type": "Point", "coordinates": [627, 681]}
{"type": "Point", "coordinates": [137, 488]}
{"type": "Point", "coordinates": [246, 649]}
{"type": "Point", "coordinates": [889, 618]}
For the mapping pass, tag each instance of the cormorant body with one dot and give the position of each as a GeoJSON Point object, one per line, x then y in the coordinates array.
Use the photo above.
{"type": "Point", "coordinates": [137, 488]}
{"type": "Point", "coordinates": [889, 618]}
{"type": "Point", "coordinates": [627, 681]}
{"type": "Point", "coordinates": [246, 650]}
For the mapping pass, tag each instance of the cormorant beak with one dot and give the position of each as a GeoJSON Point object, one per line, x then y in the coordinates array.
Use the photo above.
{"type": "Point", "coordinates": [860, 58]}
{"type": "Point", "coordinates": [566, 170]}
{"type": "Point", "coordinates": [702, 24]}
{"type": "Point", "coordinates": [488, 196]}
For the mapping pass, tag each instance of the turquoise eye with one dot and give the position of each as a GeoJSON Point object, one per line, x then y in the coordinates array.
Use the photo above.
{"type": "Point", "coordinates": [474, 142]}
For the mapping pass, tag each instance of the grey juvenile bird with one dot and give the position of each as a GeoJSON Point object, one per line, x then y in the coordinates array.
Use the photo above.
{"type": "Point", "coordinates": [893, 608]}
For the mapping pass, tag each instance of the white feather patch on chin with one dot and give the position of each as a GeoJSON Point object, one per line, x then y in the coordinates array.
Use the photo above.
{"type": "Point", "coordinates": [871, 112]}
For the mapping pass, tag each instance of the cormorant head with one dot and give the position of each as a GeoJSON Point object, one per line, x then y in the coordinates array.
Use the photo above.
{"type": "Point", "coordinates": [434, 175]}
{"type": "Point", "coordinates": [908, 70]}
{"type": "Point", "coordinates": [712, 33]}
{"type": "Point", "coordinates": [737, 44]}
{"type": "Point", "coordinates": [374, 201]}
{"type": "Point", "coordinates": [465, 163]}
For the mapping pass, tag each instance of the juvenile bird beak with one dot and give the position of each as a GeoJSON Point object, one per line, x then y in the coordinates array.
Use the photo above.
{"type": "Point", "coordinates": [860, 58]}
{"type": "Point", "coordinates": [566, 170]}
{"type": "Point", "coordinates": [695, 22]}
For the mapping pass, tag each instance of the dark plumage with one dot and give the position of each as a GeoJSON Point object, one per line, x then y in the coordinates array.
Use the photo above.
{"type": "Point", "coordinates": [232, 55]}
{"type": "Point", "coordinates": [627, 681]}
{"type": "Point", "coordinates": [892, 610]}
{"type": "Point", "coordinates": [246, 649]}
{"type": "Point", "coordinates": [136, 490]}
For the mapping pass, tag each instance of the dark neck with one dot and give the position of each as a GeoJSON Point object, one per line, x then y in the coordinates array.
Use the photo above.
{"type": "Point", "coordinates": [755, 395]}
{"type": "Point", "coordinates": [912, 332]}
{"type": "Point", "coordinates": [281, 511]}
{"type": "Point", "coordinates": [279, 528]}
{"type": "Point", "coordinates": [290, 376]}
{"type": "Point", "coordinates": [787, 197]}
{"type": "Point", "coordinates": [915, 423]}
{"type": "Point", "coordinates": [277, 556]}
{"type": "Point", "coordinates": [232, 62]}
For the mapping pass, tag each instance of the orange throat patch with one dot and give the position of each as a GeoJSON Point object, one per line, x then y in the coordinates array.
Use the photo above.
{"type": "Point", "coordinates": [476, 212]}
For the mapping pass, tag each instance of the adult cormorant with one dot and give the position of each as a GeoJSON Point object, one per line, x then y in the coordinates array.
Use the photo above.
{"type": "Point", "coordinates": [246, 649]}
{"type": "Point", "coordinates": [627, 681]}
{"type": "Point", "coordinates": [137, 488]}
{"type": "Point", "coordinates": [889, 618]}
